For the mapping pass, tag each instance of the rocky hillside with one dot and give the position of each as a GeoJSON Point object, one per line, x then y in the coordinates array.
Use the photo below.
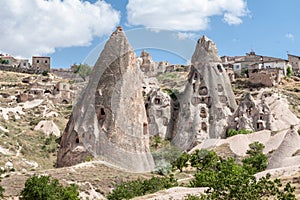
{"type": "Point", "coordinates": [32, 116]}
{"type": "Point", "coordinates": [135, 114]}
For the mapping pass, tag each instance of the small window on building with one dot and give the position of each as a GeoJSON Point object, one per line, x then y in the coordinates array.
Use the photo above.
{"type": "Point", "coordinates": [46, 61]}
{"type": "Point", "coordinates": [37, 61]}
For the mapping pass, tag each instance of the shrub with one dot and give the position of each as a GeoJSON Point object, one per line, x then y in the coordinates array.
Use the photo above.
{"type": "Point", "coordinates": [256, 160]}
{"type": "Point", "coordinates": [41, 188]}
{"type": "Point", "coordinates": [181, 162]}
{"type": "Point", "coordinates": [289, 71]}
{"type": "Point", "coordinates": [232, 132]}
{"type": "Point", "coordinates": [202, 159]}
{"type": "Point", "coordinates": [45, 73]}
{"type": "Point", "coordinates": [139, 187]}
{"type": "Point", "coordinates": [228, 180]}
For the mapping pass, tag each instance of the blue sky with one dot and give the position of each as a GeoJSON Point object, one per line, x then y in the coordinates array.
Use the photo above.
{"type": "Point", "coordinates": [74, 31]}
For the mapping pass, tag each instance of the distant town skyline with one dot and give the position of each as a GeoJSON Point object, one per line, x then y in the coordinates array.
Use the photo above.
{"type": "Point", "coordinates": [70, 31]}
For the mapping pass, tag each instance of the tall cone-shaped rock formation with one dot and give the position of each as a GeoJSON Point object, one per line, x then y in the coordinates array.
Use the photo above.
{"type": "Point", "coordinates": [207, 101]}
{"type": "Point", "coordinates": [109, 120]}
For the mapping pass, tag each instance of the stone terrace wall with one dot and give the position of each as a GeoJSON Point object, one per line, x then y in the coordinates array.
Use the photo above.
{"type": "Point", "coordinates": [19, 69]}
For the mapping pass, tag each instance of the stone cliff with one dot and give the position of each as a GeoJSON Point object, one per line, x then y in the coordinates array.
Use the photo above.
{"type": "Point", "coordinates": [207, 101]}
{"type": "Point", "coordinates": [109, 121]}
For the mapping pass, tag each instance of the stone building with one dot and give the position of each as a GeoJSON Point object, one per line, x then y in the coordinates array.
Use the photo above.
{"type": "Point", "coordinates": [264, 77]}
{"type": "Point", "coordinates": [41, 63]}
{"type": "Point", "coordinates": [242, 64]}
{"type": "Point", "coordinates": [295, 63]}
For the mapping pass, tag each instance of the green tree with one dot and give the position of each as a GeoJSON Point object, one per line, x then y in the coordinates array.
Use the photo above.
{"type": "Point", "coordinates": [42, 188]}
{"type": "Point", "coordinates": [232, 132]}
{"type": "Point", "coordinates": [256, 160]}
{"type": "Point", "coordinates": [202, 159]}
{"type": "Point", "coordinates": [84, 70]}
{"type": "Point", "coordinates": [128, 190]}
{"type": "Point", "coordinates": [289, 71]}
{"type": "Point", "coordinates": [181, 162]}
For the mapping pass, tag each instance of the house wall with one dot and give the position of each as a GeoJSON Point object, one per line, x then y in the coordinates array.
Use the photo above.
{"type": "Point", "coordinates": [295, 62]}
{"type": "Point", "coordinates": [41, 63]}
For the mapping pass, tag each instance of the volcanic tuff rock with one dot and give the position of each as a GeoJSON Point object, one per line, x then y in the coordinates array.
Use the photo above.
{"type": "Point", "coordinates": [207, 101]}
{"type": "Point", "coordinates": [251, 115]}
{"type": "Point", "coordinates": [158, 108]}
{"type": "Point", "coordinates": [287, 154]}
{"type": "Point", "coordinates": [109, 120]}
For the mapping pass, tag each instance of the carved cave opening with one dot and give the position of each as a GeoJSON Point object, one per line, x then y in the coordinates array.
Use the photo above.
{"type": "Point", "coordinates": [145, 128]}
{"type": "Point", "coordinates": [203, 113]}
{"type": "Point", "coordinates": [157, 101]}
{"type": "Point", "coordinates": [203, 90]}
{"type": "Point", "coordinates": [220, 88]}
{"type": "Point", "coordinates": [77, 140]}
{"type": "Point", "coordinates": [195, 76]}
{"type": "Point", "coordinates": [259, 126]}
{"type": "Point", "coordinates": [220, 68]}
{"type": "Point", "coordinates": [204, 126]}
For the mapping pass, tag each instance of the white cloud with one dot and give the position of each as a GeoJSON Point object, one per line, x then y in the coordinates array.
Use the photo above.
{"type": "Point", "coordinates": [35, 27]}
{"type": "Point", "coordinates": [290, 36]}
{"type": "Point", "coordinates": [185, 35]}
{"type": "Point", "coordinates": [192, 15]}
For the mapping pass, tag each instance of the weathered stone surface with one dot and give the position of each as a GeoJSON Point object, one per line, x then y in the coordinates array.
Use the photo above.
{"type": "Point", "coordinates": [48, 127]}
{"type": "Point", "coordinates": [149, 67]}
{"type": "Point", "coordinates": [207, 101]}
{"type": "Point", "coordinates": [251, 115]}
{"type": "Point", "coordinates": [158, 108]}
{"type": "Point", "coordinates": [287, 154]}
{"type": "Point", "coordinates": [109, 120]}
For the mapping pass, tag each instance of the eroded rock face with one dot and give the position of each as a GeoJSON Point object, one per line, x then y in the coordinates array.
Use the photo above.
{"type": "Point", "coordinates": [109, 120]}
{"type": "Point", "coordinates": [287, 154]}
{"type": "Point", "coordinates": [251, 115]}
{"type": "Point", "coordinates": [158, 108]}
{"type": "Point", "coordinates": [207, 101]}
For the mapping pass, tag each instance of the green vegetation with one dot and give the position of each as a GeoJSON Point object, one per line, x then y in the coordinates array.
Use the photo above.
{"type": "Point", "coordinates": [84, 70]}
{"type": "Point", "coordinates": [232, 132]}
{"type": "Point", "coordinates": [171, 92]}
{"type": "Point", "coordinates": [289, 71]}
{"type": "Point", "coordinates": [225, 178]}
{"type": "Point", "coordinates": [139, 187]}
{"type": "Point", "coordinates": [181, 162]}
{"type": "Point", "coordinates": [3, 61]}
{"type": "Point", "coordinates": [45, 73]}
{"type": "Point", "coordinates": [256, 160]}
{"type": "Point", "coordinates": [50, 145]}
{"type": "Point", "coordinates": [41, 188]}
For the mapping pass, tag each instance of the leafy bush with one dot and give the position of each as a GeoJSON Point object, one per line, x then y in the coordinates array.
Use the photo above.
{"type": "Point", "coordinates": [41, 188]}
{"type": "Point", "coordinates": [181, 162]}
{"type": "Point", "coordinates": [84, 70]}
{"type": "Point", "coordinates": [256, 160]}
{"type": "Point", "coordinates": [202, 159]}
{"type": "Point", "coordinates": [228, 180]}
{"type": "Point", "coordinates": [232, 132]}
{"type": "Point", "coordinates": [289, 71]}
{"type": "Point", "coordinates": [45, 73]}
{"type": "Point", "coordinates": [139, 187]}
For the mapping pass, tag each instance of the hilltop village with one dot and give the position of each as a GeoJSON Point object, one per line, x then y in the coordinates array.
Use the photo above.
{"type": "Point", "coordinates": [132, 114]}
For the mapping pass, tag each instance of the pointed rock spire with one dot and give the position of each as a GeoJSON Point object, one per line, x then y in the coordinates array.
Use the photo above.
{"type": "Point", "coordinates": [207, 101]}
{"type": "Point", "coordinates": [109, 120]}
